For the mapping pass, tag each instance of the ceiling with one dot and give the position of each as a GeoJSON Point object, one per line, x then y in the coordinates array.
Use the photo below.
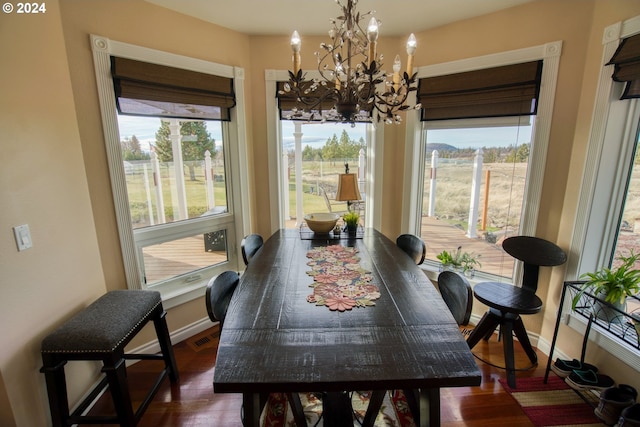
{"type": "Point", "coordinates": [311, 17]}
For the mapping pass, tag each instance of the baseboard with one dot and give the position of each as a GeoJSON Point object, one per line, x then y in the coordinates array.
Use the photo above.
{"type": "Point", "coordinates": [177, 336]}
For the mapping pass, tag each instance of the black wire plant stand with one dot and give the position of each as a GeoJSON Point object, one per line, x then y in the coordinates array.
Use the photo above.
{"type": "Point", "coordinates": [623, 326]}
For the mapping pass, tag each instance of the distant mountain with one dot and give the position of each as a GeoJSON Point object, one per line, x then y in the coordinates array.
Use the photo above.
{"type": "Point", "coordinates": [440, 147]}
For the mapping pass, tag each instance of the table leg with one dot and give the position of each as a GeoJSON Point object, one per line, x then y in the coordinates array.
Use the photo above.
{"type": "Point", "coordinates": [296, 409]}
{"type": "Point", "coordinates": [336, 409]}
{"type": "Point", "coordinates": [429, 408]}
{"type": "Point", "coordinates": [251, 409]}
{"type": "Point", "coordinates": [375, 402]}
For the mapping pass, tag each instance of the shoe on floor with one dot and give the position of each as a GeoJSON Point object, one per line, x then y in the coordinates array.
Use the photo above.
{"type": "Point", "coordinates": [564, 367]}
{"type": "Point", "coordinates": [613, 401]}
{"type": "Point", "coordinates": [630, 416]}
{"type": "Point", "coordinates": [586, 380]}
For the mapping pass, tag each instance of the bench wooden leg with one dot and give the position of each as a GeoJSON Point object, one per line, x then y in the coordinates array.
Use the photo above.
{"type": "Point", "coordinates": [116, 372]}
{"type": "Point", "coordinates": [162, 331]}
{"type": "Point", "coordinates": [53, 371]}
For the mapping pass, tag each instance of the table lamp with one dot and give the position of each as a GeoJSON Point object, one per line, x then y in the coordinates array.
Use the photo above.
{"type": "Point", "coordinates": [348, 188]}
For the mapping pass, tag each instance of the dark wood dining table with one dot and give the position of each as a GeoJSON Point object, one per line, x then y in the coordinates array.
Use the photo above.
{"type": "Point", "coordinates": [274, 340]}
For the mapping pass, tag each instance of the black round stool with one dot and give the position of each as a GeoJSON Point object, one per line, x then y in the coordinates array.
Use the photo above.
{"type": "Point", "coordinates": [507, 302]}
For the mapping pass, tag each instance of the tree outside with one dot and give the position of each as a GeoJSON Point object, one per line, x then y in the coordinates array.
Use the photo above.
{"type": "Point", "coordinates": [131, 149]}
{"type": "Point", "coordinates": [196, 140]}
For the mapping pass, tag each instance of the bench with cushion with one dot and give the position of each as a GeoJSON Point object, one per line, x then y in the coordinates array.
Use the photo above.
{"type": "Point", "coordinates": [100, 332]}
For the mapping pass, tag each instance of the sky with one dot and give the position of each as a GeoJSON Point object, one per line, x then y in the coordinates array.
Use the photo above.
{"type": "Point", "coordinates": [317, 134]}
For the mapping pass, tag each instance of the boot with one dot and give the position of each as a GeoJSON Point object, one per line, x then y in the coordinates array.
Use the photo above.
{"type": "Point", "coordinates": [630, 416]}
{"type": "Point", "coordinates": [612, 401]}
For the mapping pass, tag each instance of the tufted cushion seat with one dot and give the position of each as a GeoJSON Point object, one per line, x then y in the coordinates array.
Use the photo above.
{"type": "Point", "coordinates": [105, 324]}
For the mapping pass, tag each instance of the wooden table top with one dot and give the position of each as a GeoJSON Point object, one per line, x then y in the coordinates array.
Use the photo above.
{"type": "Point", "coordinates": [274, 340]}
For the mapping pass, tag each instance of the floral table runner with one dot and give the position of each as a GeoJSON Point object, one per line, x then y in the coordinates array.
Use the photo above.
{"type": "Point", "coordinates": [339, 281]}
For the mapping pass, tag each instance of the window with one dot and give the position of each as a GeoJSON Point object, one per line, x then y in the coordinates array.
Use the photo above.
{"type": "Point", "coordinates": [174, 160]}
{"type": "Point", "coordinates": [279, 138]}
{"type": "Point", "coordinates": [607, 207]}
{"type": "Point", "coordinates": [175, 175]}
{"type": "Point", "coordinates": [474, 184]}
{"type": "Point", "coordinates": [512, 157]}
{"type": "Point", "coordinates": [319, 151]}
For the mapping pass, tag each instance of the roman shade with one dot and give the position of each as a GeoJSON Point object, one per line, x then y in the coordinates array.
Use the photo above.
{"type": "Point", "coordinates": [145, 89]}
{"type": "Point", "coordinates": [510, 90]}
{"type": "Point", "coordinates": [291, 109]}
{"type": "Point", "coordinates": [626, 62]}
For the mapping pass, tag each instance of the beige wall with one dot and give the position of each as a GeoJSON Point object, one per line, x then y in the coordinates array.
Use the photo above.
{"type": "Point", "coordinates": [43, 183]}
{"type": "Point", "coordinates": [57, 180]}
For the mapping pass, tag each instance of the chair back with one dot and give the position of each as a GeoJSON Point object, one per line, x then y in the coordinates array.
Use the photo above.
{"type": "Point", "coordinates": [456, 293]}
{"type": "Point", "coordinates": [218, 295]}
{"type": "Point", "coordinates": [413, 246]}
{"type": "Point", "coordinates": [250, 245]}
{"type": "Point", "coordinates": [534, 252]}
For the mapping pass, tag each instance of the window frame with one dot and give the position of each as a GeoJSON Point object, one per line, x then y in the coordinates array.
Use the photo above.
{"type": "Point", "coordinates": [235, 138]}
{"type": "Point", "coordinates": [374, 155]}
{"type": "Point", "coordinates": [614, 125]}
{"type": "Point", "coordinates": [415, 147]}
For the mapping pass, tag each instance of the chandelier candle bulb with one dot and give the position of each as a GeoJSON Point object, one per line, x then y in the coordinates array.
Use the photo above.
{"type": "Point", "coordinates": [396, 72]}
{"type": "Point", "coordinates": [411, 50]}
{"type": "Point", "coordinates": [295, 46]}
{"type": "Point", "coordinates": [372, 36]}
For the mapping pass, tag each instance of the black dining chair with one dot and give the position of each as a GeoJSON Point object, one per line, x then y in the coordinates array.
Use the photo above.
{"type": "Point", "coordinates": [413, 246]}
{"type": "Point", "coordinates": [218, 296]}
{"type": "Point", "coordinates": [250, 245]}
{"type": "Point", "coordinates": [457, 294]}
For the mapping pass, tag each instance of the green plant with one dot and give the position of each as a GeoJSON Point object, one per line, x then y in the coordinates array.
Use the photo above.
{"type": "Point", "coordinates": [612, 285]}
{"type": "Point", "coordinates": [458, 259]}
{"type": "Point", "coordinates": [351, 219]}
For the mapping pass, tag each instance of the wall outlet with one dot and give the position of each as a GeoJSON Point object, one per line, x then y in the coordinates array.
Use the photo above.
{"type": "Point", "coordinates": [23, 237]}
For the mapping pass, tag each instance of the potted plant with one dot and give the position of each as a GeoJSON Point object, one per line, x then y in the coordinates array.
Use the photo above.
{"type": "Point", "coordinates": [351, 220]}
{"type": "Point", "coordinates": [611, 286]}
{"type": "Point", "coordinates": [459, 260]}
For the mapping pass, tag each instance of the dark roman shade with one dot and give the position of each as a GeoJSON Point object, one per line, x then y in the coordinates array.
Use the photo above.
{"type": "Point", "coordinates": [626, 62]}
{"type": "Point", "coordinates": [145, 89]}
{"type": "Point", "coordinates": [287, 102]}
{"type": "Point", "coordinates": [510, 90]}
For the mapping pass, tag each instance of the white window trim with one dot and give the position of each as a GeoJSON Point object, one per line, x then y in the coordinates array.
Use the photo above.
{"type": "Point", "coordinates": [414, 148]}
{"type": "Point", "coordinates": [102, 49]}
{"type": "Point", "coordinates": [373, 174]}
{"type": "Point", "coordinates": [603, 173]}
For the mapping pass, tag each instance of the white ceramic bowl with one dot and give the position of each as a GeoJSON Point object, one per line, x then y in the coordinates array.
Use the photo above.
{"type": "Point", "coordinates": [322, 222]}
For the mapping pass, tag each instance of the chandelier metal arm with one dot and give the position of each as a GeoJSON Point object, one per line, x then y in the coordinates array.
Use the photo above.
{"type": "Point", "coordinates": [351, 75]}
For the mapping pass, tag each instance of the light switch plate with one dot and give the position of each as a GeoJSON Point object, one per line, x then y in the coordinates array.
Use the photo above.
{"type": "Point", "coordinates": [23, 237]}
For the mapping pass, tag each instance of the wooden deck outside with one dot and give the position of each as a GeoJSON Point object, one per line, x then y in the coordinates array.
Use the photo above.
{"type": "Point", "coordinates": [439, 236]}
{"type": "Point", "coordinates": [182, 256]}
{"type": "Point", "coordinates": [177, 257]}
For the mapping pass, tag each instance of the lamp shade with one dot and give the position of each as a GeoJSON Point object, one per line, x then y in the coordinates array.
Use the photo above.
{"type": "Point", "coordinates": [348, 188]}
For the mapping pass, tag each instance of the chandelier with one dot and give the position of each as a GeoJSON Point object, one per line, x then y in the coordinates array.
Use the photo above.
{"type": "Point", "coordinates": [351, 86]}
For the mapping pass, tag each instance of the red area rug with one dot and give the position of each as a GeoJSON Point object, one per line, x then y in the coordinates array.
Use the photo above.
{"type": "Point", "coordinates": [393, 413]}
{"type": "Point", "coordinates": [552, 404]}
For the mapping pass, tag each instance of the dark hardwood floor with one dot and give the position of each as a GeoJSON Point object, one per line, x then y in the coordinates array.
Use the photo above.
{"type": "Point", "coordinates": [191, 402]}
